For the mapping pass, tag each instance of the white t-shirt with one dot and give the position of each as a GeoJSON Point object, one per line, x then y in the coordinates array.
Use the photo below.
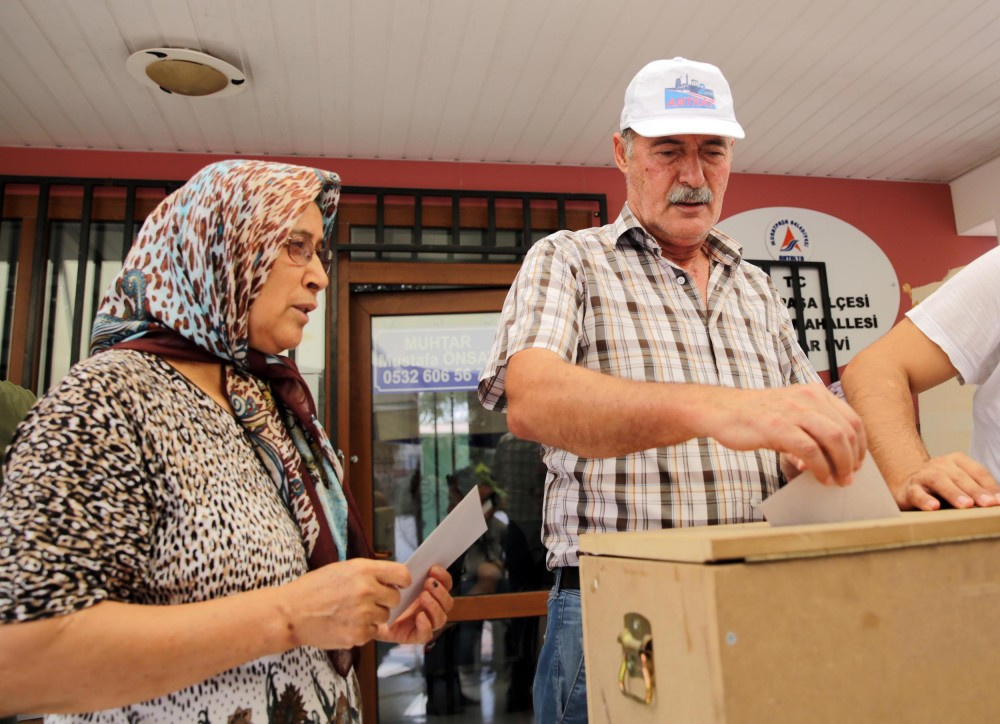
{"type": "Point", "coordinates": [963, 318]}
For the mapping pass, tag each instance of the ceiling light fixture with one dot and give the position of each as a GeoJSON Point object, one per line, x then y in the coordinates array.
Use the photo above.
{"type": "Point", "coordinates": [185, 72]}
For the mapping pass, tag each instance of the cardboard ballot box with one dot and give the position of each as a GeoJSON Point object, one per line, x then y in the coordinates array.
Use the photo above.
{"type": "Point", "coordinates": [894, 620]}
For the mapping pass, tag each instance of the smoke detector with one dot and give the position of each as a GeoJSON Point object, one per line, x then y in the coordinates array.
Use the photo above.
{"type": "Point", "coordinates": [185, 72]}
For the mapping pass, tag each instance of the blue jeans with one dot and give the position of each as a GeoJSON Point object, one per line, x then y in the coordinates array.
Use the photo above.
{"type": "Point", "coordinates": [560, 679]}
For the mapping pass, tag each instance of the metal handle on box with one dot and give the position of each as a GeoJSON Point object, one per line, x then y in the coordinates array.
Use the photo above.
{"type": "Point", "coordinates": [636, 640]}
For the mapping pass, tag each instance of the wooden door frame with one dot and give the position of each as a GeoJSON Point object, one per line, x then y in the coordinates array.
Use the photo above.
{"type": "Point", "coordinates": [485, 294]}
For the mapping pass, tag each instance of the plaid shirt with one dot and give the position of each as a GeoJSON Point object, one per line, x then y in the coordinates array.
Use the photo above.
{"type": "Point", "coordinates": [606, 299]}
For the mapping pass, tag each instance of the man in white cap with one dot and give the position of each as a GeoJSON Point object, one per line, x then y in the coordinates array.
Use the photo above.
{"type": "Point", "coordinates": [660, 372]}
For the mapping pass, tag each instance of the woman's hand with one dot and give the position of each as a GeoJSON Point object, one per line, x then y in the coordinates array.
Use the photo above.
{"type": "Point", "coordinates": [343, 604]}
{"type": "Point", "coordinates": [425, 616]}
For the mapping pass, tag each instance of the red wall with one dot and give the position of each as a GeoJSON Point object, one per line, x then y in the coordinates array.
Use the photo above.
{"type": "Point", "coordinates": [912, 222]}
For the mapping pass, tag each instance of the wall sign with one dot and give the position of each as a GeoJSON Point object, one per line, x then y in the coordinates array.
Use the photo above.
{"type": "Point", "coordinates": [864, 290]}
{"type": "Point", "coordinates": [429, 359]}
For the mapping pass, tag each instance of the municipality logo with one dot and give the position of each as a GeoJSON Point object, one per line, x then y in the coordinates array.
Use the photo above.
{"type": "Point", "coordinates": [788, 240]}
{"type": "Point", "coordinates": [688, 93]}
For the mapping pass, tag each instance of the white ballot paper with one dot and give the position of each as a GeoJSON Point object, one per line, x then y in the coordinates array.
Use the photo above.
{"type": "Point", "coordinates": [459, 530]}
{"type": "Point", "coordinates": [806, 500]}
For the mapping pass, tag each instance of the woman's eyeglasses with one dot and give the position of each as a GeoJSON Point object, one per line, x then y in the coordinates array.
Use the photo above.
{"type": "Point", "coordinates": [301, 251]}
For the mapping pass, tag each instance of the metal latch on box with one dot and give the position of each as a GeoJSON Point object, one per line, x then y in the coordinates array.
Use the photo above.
{"type": "Point", "coordinates": [637, 657]}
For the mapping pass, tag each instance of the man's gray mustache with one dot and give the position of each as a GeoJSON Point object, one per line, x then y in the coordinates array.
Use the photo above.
{"type": "Point", "coordinates": [688, 195]}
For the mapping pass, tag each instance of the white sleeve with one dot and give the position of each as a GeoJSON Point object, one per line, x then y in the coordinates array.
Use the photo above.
{"type": "Point", "coordinates": [963, 318]}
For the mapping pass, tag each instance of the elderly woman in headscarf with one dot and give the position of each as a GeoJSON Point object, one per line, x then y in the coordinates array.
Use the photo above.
{"type": "Point", "coordinates": [177, 541]}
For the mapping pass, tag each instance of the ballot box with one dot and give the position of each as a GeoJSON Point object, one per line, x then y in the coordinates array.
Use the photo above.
{"type": "Point", "coordinates": [894, 620]}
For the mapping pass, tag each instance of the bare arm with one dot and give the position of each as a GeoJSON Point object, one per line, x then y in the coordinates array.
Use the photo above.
{"type": "Point", "coordinates": [112, 654]}
{"type": "Point", "coordinates": [596, 415]}
{"type": "Point", "coordinates": [879, 383]}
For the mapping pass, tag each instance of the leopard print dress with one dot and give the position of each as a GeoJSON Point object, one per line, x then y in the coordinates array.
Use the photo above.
{"type": "Point", "coordinates": [127, 483]}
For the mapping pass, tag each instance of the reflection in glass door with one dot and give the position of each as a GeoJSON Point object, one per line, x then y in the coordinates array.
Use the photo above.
{"type": "Point", "coordinates": [432, 443]}
{"type": "Point", "coordinates": [429, 427]}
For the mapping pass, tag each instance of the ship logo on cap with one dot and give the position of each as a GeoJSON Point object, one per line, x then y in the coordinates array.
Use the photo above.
{"type": "Point", "coordinates": [688, 93]}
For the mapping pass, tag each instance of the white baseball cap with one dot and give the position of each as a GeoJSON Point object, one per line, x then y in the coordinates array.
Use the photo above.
{"type": "Point", "coordinates": [677, 97]}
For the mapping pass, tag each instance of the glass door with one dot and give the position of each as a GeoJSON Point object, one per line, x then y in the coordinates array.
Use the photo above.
{"type": "Point", "coordinates": [416, 359]}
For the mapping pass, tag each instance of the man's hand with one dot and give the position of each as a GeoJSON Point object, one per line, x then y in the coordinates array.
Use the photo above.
{"type": "Point", "coordinates": [813, 428]}
{"type": "Point", "coordinates": [955, 477]}
{"type": "Point", "coordinates": [880, 383]}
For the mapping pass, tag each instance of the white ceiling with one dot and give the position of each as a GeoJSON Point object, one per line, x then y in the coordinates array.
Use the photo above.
{"type": "Point", "coordinates": [865, 89]}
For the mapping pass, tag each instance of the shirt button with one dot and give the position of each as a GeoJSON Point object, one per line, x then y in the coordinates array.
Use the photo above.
{"type": "Point", "coordinates": [754, 501]}
{"type": "Point", "coordinates": [681, 280]}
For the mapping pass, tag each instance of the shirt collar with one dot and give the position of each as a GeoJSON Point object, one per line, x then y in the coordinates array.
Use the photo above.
{"type": "Point", "coordinates": [721, 247]}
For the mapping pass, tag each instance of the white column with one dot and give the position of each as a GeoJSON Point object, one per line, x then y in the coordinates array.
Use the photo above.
{"type": "Point", "coordinates": [975, 197]}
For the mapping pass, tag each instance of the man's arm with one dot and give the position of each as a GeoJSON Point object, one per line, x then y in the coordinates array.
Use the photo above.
{"type": "Point", "coordinates": [596, 415]}
{"type": "Point", "coordinates": [879, 383]}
